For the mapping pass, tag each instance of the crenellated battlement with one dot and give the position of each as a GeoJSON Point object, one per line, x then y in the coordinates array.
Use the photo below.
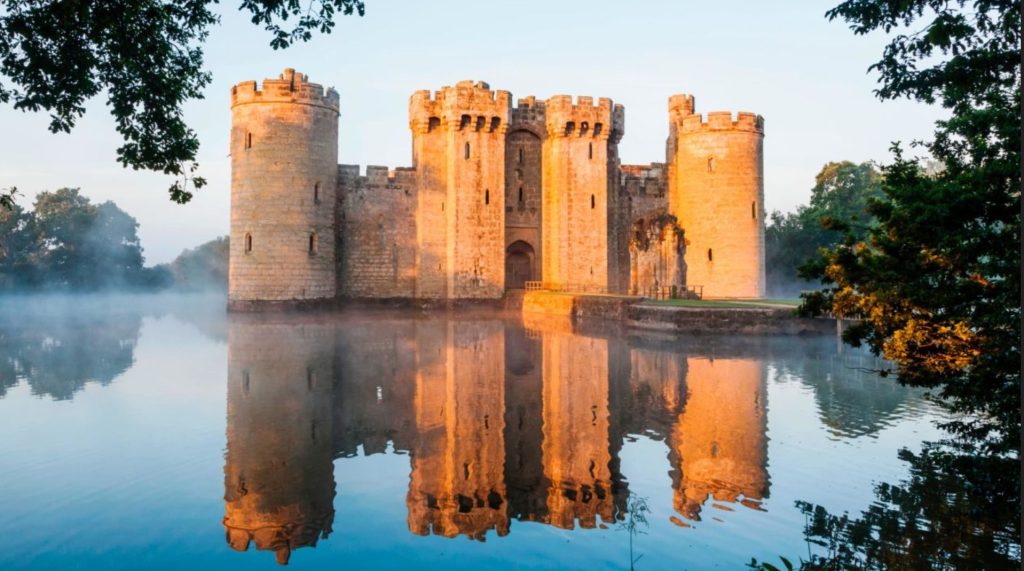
{"type": "Point", "coordinates": [467, 105]}
{"type": "Point", "coordinates": [580, 118]}
{"type": "Point", "coordinates": [289, 87]}
{"type": "Point", "coordinates": [722, 121]}
{"type": "Point", "coordinates": [376, 177]}
{"type": "Point", "coordinates": [643, 180]}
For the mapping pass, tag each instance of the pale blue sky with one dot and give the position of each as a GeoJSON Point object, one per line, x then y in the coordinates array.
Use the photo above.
{"type": "Point", "coordinates": [784, 60]}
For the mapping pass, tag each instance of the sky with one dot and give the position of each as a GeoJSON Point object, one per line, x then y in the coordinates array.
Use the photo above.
{"type": "Point", "coordinates": [807, 76]}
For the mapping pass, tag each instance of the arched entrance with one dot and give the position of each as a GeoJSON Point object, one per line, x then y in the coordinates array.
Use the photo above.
{"type": "Point", "coordinates": [518, 264]}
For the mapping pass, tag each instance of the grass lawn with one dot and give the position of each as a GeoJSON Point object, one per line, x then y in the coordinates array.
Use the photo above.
{"type": "Point", "coordinates": [729, 303]}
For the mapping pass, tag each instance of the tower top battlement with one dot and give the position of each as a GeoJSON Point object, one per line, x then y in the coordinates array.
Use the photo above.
{"type": "Point", "coordinates": [681, 105]}
{"type": "Point", "coordinates": [722, 121]}
{"type": "Point", "coordinates": [451, 105]}
{"type": "Point", "coordinates": [581, 118]}
{"type": "Point", "coordinates": [289, 87]}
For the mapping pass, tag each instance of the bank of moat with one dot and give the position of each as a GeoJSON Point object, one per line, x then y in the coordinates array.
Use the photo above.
{"type": "Point", "coordinates": [497, 196]}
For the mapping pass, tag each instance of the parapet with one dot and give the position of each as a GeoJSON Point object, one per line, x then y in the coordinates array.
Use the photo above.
{"type": "Point", "coordinates": [580, 118]}
{"type": "Point", "coordinates": [289, 87]}
{"type": "Point", "coordinates": [469, 104]}
{"type": "Point", "coordinates": [722, 121]}
{"type": "Point", "coordinates": [529, 114]}
{"type": "Point", "coordinates": [376, 178]}
{"type": "Point", "coordinates": [642, 180]}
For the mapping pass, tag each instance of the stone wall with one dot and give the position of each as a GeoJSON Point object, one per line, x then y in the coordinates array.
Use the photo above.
{"type": "Point", "coordinates": [284, 156]}
{"type": "Point", "coordinates": [575, 203]}
{"type": "Point", "coordinates": [376, 233]}
{"type": "Point", "coordinates": [656, 266]}
{"type": "Point", "coordinates": [716, 191]}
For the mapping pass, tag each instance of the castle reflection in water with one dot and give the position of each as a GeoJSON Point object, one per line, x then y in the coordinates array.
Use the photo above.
{"type": "Point", "coordinates": [502, 420]}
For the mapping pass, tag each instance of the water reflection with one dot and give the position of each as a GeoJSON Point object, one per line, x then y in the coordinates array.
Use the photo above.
{"type": "Point", "coordinates": [279, 475]}
{"type": "Point", "coordinates": [501, 421]}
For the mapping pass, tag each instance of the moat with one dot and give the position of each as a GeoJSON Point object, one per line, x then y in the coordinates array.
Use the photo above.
{"type": "Point", "coordinates": [160, 433]}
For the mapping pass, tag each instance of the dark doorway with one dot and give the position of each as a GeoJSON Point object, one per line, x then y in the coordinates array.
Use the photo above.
{"type": "Point", "coordinates": [518, 265]}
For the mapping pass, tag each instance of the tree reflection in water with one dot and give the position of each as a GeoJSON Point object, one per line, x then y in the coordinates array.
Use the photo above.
{"type": "Point", "coordinates": [956, 510]}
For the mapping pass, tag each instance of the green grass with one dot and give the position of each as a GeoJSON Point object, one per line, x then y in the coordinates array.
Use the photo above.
{"type": "Point", "coordinates": [728, 303]}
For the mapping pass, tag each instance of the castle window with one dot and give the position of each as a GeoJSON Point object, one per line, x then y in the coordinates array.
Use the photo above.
{"type": "Point", "coordinates": [480, 122]}
{"type": "Point", "coordinates": [464, 122]}
{"type": "Point", "coordinates": [711, 258]}
{"type": "Point", "coordinates": [495, 122]}
{"type": "Point", "coordinates": [520, 156]}
{"type": "Point", "coordinates": [487, 196]}
{"type": "Point", "coordinates": [314, 246]}
{"type": "Point", "coordinates": [753, 210]}
{"type": "Point", "coordinates": [520, 195]}
{"type": "Point", "coordinates": [248, 140]}
{"type": "Point", "coordinates": [593, 202]}
{"type": "Point", "coordinates": [245, 382]}
{"type": "Point", "coordinates": [584, 127]}
{"type": "Point", "coordinates": [316, 193]}
{"type": "Point", "coordinates": [711, 164]}
{"type": "Point", "coordinates": [590, 150]}
{"type": "Point", "coordinates": [310, 379]}
{"type": "Point", "coordinates": [467, 150]}
{"type": "Point", "coordinates": [433, 123]}
{"type": "Point", "coordinates": [248, 243]}
{"type": "Point", "coordinates": [570, 127]}
{"type": "Point", "coordinates": [597, 129]}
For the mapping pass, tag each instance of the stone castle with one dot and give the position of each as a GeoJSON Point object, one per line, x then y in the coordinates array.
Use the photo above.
{"type": "Point", "coordinates": [497, 196]}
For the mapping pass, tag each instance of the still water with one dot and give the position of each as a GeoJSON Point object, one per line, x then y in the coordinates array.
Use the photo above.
{"type": "Point", "coordinates": [141, 433]}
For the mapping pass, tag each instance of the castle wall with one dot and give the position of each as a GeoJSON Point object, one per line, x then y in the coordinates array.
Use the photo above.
{"type": "Point", "coordinates": [575, 192]}
{"type": "Point", "coordinates": [284, 155]}
{"type": "Point", "coordinates": [656, 262]}
{"type": "Point", "coordinates": [523, 198]}
{"type": "Point", "coordinates": [459, 154]}
{"type": "Point", "coordinates": [716, 190]}
{"type": "Point", "coordinates": [640, 196]}
{"type": "Point", "coordinates": [376, 233]}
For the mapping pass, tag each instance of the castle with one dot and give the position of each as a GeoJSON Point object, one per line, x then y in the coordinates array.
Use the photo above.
{"type": "Point", "coordinates": [497, 196]}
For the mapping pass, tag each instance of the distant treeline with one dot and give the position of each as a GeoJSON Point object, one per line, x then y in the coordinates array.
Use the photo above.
{"type": "Point", "coordinates": [839, 201]}
{"type": "Point", "coordinates": [67, 243]}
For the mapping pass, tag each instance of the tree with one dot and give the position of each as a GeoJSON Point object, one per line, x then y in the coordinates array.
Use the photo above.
{"type": "Point", "coordinates": [18, 247]}
{"type": "Point", "coordinates": [841, 193]}
{"type": "Point", "coordinates": [145, 55]}
{"type": "Point", "coordinates": [203, 267]}
{"type": "Point", "coordinates": [936, 284]}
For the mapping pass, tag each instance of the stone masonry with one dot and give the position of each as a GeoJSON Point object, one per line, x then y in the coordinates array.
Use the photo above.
{"type": "Point", "coordinates": [497, 196]}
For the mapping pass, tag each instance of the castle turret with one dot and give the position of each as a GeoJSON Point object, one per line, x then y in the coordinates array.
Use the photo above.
{"type": "Point", "coordinates": [459, 157]}
{"type": "Point", "coordinates": [284, 156]}
{"type": "Point", "coordinates": [716, 191]}
{"type": "Point", "coordinates": [575, 191]}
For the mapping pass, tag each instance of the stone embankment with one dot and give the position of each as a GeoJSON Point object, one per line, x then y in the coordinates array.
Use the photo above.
{"type": "Point", "coordinates": [707, 317]}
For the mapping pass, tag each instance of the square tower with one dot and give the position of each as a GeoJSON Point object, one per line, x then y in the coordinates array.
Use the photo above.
{"type": "Point", "coordinates": [459, 157]}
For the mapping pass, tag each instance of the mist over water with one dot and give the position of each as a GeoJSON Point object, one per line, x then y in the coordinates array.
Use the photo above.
{"type": "Point", "coordinates": [158, 432]}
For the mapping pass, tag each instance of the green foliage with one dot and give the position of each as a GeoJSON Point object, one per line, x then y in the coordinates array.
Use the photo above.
{"type": "Point", "coordinates": [145, 56]}
{"type": "Point", "coordinates": [936, 284]}
{"type": "Point", "coordinates": [67, 242]}
{"type": "Point", "coordinates": [839, 200]}
{"type": "Point", "coordinates": [204, 267]}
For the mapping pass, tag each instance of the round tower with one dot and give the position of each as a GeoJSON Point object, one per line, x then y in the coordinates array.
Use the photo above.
{"type": "Point", "coordinates": [284, 157]}
{"type": "Point", "coordinates": [716, 191]}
